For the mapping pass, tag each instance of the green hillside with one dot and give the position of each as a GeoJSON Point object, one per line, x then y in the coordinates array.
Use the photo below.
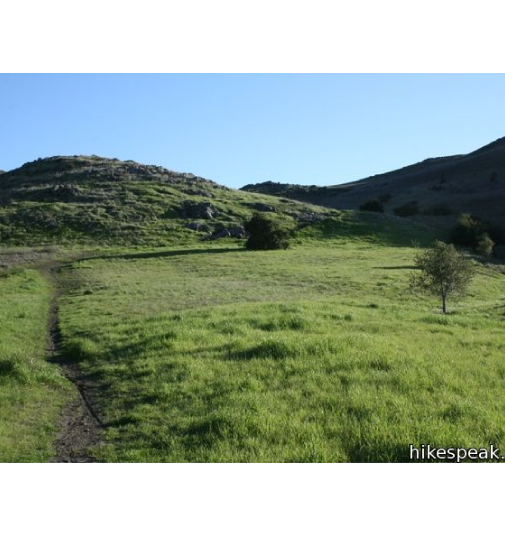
{"type": "Point", "coordinates": [314, 354]}
{"type": "Point", "coordinates": [93, 200]}
{"type": "Point", "coordinates": [146, 332]}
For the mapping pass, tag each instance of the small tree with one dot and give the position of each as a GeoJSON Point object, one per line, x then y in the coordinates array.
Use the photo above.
{"type": "Point", "coordinates": [443, 271]}
{"type": "Point", "coordinates": [266, 233]}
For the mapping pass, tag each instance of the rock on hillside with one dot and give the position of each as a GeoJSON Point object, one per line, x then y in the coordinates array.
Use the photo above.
{"type": "Point", "coordinates": [89, 199]}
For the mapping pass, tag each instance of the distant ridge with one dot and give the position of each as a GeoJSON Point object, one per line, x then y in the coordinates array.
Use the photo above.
{"type": "Point", "coordinates": [473, 183]}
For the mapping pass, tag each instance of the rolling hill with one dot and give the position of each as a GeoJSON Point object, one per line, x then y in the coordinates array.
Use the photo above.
{"type": "Point", "coordinates": [441, 188]}
{"type": "Point", "coordinates": [89, 199]}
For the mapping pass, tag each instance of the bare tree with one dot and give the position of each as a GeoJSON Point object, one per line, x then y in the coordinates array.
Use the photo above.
{"type": "Point", "coordinates": [442, 271]}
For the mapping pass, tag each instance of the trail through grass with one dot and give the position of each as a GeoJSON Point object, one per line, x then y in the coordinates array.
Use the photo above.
{"type": "Point", "coordinates": [32, 391]}
{"type": "Point", "coordinates": [317, 353]}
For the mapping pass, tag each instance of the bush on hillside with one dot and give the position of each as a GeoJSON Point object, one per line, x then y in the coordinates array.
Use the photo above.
{"type": "Point", "coordinates": [385, 198]}
{"type": "Point", "coordinates": [485, 246]}
{"type": "Point", "coordinates": [408, 209]}
{"type": "Point", "coordinates": [442, 209]}
{"type": "Point", "coordinates": [467, 231]}
{"type": "Point", "coordinates": [372, 205]}
{"type": "Point", "coordinates": [266, 233]}
{"type": "Point", "coordinates": [477, 234]}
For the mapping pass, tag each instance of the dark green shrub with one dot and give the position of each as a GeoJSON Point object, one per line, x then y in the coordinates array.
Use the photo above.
{"type": "Point", "coordinates": [441, 209]}
{"type": "Point", "coordinates": [266, 233]}
{"type": "Point", "coordinates": [372, 205]}
{"type": "Point", "coordinates": [384, 198]}
{"type": "Point", "coordinates": [408, 209]}
{"type": "Point", "coordinates": [477, 234]}
{"type": "Point", "coordinates": [467, 231]}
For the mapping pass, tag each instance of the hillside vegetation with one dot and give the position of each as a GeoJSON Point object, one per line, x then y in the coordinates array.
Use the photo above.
{"type": "Point", "coordinates": [182, 345]}
{"type": "Point", "coordinates": [442, 188]}
{"type": "Point", "coordinates": [93, 200]}
{"type": "Point", "coordinates": [313, 354]}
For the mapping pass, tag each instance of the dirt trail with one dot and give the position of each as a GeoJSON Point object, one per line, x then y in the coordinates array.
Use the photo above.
{"type": "Point", "coordinates": [80, 425]}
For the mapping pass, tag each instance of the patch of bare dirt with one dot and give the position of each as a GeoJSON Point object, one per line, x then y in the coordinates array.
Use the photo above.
{"type": "Point", "coordinates": [80, 424]}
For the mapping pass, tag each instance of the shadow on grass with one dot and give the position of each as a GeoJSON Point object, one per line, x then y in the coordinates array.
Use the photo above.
{"type": "Point", "coordinates": [164, 254]}
{"type": "Point", "coordinates": [360, 452]}
{"type": "Point", "coordinates": [395, 267]}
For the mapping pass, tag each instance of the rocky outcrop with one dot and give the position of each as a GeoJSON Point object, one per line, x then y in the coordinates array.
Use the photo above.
{"type": "Point", "coordinates": [231, 232]}
{"type": "Point", "coordinates": [263, 207]}
{"type": "Point", "coordinates": [308, 217]}
{"type": "Point", "coordinates": [201, 211]}
{"type": "Point", "coordinates": [65, 192]}
{"type": "Point", "coordinates": [197, 226]}
{"type": "Point", "coordinates": [304, 219]}
{"type": "Point", "coordinates": [200, 192]}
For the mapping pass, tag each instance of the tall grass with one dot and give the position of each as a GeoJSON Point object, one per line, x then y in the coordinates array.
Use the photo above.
{"type": "Point", "coordinates": [32, 391]}
{"type": "Point", "coordinates": [317, 353]}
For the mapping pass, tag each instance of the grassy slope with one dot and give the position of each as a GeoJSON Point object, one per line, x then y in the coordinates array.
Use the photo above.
{"type": "Point", "coordinates": [472, 183]}
{"type": "Point", "coordinates": [92, 200]}
{"type": "Point", "coordinates": [316, 353]}
{"type": "Point", "coordinates": [32, 391]}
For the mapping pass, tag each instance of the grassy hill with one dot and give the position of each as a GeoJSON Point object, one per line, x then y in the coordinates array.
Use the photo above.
{"type": "Point", "coordinates": [90, 200]}
{"type": "Point", "coordinates": [187, 350]}
{"type": "Point", "coordinates": [442, 187]}
{"type": "Point", "coordinates": [313, 354]}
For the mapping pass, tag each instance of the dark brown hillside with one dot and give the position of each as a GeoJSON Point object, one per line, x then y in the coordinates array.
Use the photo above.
{"type": "Point", "coordinates": [473, 183]}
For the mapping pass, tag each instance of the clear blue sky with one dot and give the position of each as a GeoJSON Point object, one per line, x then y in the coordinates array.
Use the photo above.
{"type": "Point", "coordinates": [237, 129]}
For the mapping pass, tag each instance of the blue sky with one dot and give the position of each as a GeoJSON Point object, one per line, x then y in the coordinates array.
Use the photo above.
{"type": "Point", "coordinates": [237, 129]}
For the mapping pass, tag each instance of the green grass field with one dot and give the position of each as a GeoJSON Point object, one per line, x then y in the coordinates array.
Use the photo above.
{"type": "Point", "coordinates": [317, 353]}
{"type": "Point", "coordinates": [32, 391]}
{"type": "Point", "coordinates": [211, 353]}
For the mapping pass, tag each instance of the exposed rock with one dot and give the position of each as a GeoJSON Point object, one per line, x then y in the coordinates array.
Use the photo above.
{"type": "Point", "coordinates": [201, 193]}
{"type": "Point", "coordinates": [308, 217]}
{"type": "Point", "coordinates": [65, 192]}
{"type": "Point", "coordinates": [232, 232]}
{"type": "Point", "coordinates": [224, 233]}
{"type": "Point", "coordinates": [196, 226]}
{"type": "Point", "coordinates": [203, 211]}
{"type": "Point", "coordinates": [263, 207]}
{"type": "Point", "coordinates": [113, 211]}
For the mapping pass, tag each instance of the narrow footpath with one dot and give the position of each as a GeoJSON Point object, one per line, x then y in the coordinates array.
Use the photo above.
{"type": "Point", "coordinates": [80, 425]}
